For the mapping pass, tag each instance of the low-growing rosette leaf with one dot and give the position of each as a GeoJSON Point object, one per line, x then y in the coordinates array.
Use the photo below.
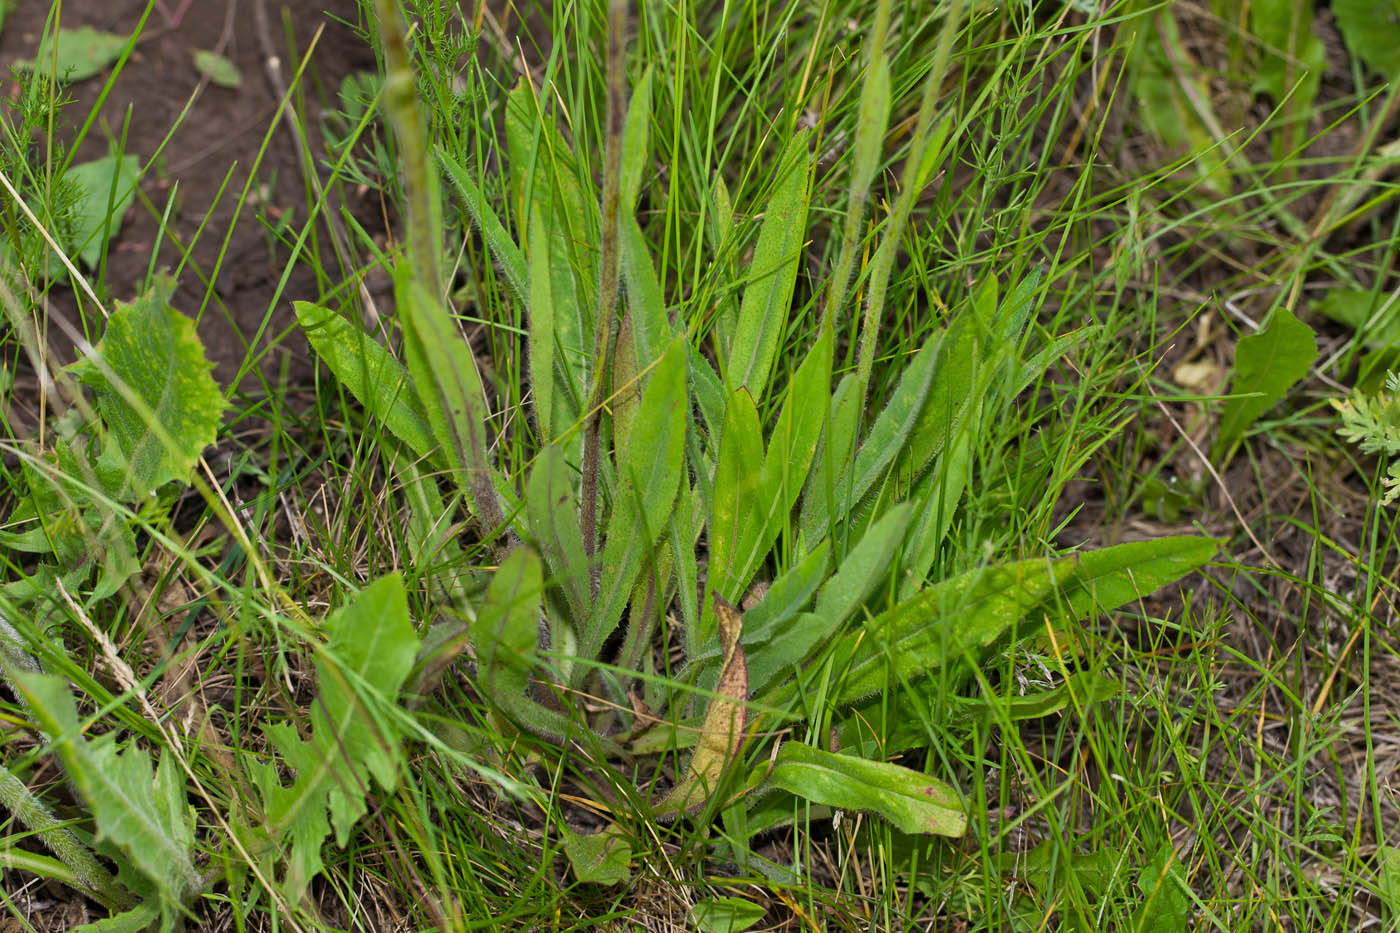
{"type": "Point", "coordinates": [911, 801]}
{"type": "Point", "coordinates": [354, 734]}
{"type": "Point", "coordinates": [142, 810]}
{"type": "Point", "coordinates": [154, 388]}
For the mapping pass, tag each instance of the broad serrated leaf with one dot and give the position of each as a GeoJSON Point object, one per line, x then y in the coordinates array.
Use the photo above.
{"type": "Point", "coordinates": [1266, 365]}
{"type": "Point", "coordinates": [911, 801]}
{"type": "Point", "coordinates": [767, 302]}
{"type": "Point", "coordinates": [377, 380]}
{"type": "Point", "coordinates": [107, 189]}
{"type": "Point", "coordinates": [141, 810]}
{"type": "Point", "coordinates": [361, 672]}
{"type": "Point", "coordinates": [154, 390]}
{"type": "Point", "coordinates": [1165, 906]}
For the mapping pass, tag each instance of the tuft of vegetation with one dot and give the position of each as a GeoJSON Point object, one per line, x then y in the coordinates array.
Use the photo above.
{"type": "Point", "coordinates": [866, 466]}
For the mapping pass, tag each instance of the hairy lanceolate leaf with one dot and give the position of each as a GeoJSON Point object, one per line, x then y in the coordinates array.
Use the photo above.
{"type": "Point", "coordinates": [865, 567]}
{"type": "Point", "coordinates": [154, 390]}
{"type": "Point", "coordinates": [445, 374]}
{"type": "Point", "coordinates": [542, 349]}
{"type": "Point", "coordinates": [497, 239]}
{"type": "Point", "coordinates": [886, 439]}
{"type": "Point", "coordinates": [912, 802]}
{"type": "Point", "coordinates": [649, 477]}
{"type": "Point", "coordinates": [547, 181]}
{"type": "Point", "coordinates": [737, 516]}
{"type": "Point", "coordinates": [1266, 364]}
{"type": "Point", "coordinates": [722, 734]}
{"type": "Point", "coordinates": [1111, 577]}
{"type": "Point", "coordinates": [143, 813]}
{"type": "Point", "coordinates": [372, 648]}
{"type": "Point", "coordinates": [942, 624]}
{"type": "Point", "coordinates": [551, 506]}
{"type": "Point", "coordinates": [636, 142]}
{"type": "Point", "coordinates": [767, 304]}
{"type": "Point", "coordinates": [372, 375]}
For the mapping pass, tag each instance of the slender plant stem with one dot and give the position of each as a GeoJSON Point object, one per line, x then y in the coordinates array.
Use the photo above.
{"type": "Point", "coordinates": [605, 327]}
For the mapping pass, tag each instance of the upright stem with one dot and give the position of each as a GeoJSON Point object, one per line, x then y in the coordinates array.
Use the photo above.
{"type": "Point", "coordinates": [605, 327]}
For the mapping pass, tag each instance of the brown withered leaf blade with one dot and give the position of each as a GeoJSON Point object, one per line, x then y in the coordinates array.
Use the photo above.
{"type": "Point", "coordinates": [722, 733]}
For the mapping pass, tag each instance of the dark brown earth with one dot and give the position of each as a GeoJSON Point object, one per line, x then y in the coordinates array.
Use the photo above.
{"type": "Point", "coordinates": [212, 153]}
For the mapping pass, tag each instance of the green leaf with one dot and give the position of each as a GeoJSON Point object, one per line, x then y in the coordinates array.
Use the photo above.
{"type": "Point", "coordinates": [144, 815]}
{"type": "Point", "coordinates": [795, 436]}
{"type": "Point", "coordinates": [76, 54]}
{"type": "Point", "coordinates": [551, 507]}
{"type": "Point", "coordinates": [542, 349]}
{"type": "Point", "coordinates": [1374, 315]}
{"type": "Point", "coordinates": [739, 512]}
{"type": "Point", "coordinates": [492, 231]}
{"type": "Point", "coordinates": [1266, 365]}
{"type": "Point", "coordinates": [1388, 878]}
{"type": "Point", "coordinates": [1371, 29]}
{"type": "Point", "coordinates": [943, 624]}
{"type": "Point", "coordinates": [1293, 55]}
{"type": "Point", "coordinates": [546, 177]}
{"type": "Point", "coordinates": [220, 70]}
{"type": "Point", "coordinates": [445, 374]}
{"type": "Point", "coordinates": [1112, 577]}
{"type": "Point", "coordinates": [372, 375]}
{"type": "Point", "coordinates": [767, 303]}
{"type": "Point", "coordinates": [107, 189]}
{"type": "Point", "coordinates": [1165, 906]}
{"type": "Point", "coordinates": [883, 443]}
{"type": "Point", "coordinates": [598, 858]}
{"type": "Point", "coordinates": [650, 476]}
{"type": "Point", "coordinates": [153, 388]}
{"type": "Point", "coordinates": [911, 801]}
{"type": "Point", "coordinates": [636, 142]}
{"type": "Point", "coordinates": [726, 915]}
{"type": "Point", "coordinates": [505, 634]}
{"type": "Point", "coordinates": [361, 673]}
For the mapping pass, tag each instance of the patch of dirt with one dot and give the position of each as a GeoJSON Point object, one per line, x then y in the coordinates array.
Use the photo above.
{"type": "Point", "coordinates": [216, 146]}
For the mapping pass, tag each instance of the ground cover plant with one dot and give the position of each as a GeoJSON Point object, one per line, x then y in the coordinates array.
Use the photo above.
{"type": "Point", "coordinates": [866, 466]}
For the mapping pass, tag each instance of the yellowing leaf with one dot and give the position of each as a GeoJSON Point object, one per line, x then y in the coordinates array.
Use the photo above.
{"type": "Point", "coordinates": [722, 733]}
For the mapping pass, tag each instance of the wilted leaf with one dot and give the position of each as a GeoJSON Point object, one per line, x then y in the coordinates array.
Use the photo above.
{"type": "Point", "coordinates": [722, 734]}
